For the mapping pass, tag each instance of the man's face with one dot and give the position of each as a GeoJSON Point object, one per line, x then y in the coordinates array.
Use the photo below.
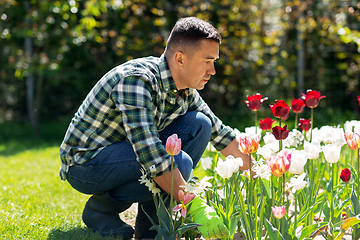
{"type": "Point", "coordinates": [199, 66]}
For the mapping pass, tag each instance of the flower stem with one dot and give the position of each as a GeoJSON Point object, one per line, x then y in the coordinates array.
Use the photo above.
{"type": "Point", "coordinates": [172, 189]}
{"type": "Point", "coordinates": [358, 172]}
{"type": "Point", "coordinates": [256, 121]}
{"type": "Point", "coordinates": [295, 214]}
{"type": "Point", "coordinates": [283, 189]}
{"type": "Point", "coordinates": [332, 198]}
{"type": "Point", "coordinates": [296, 119]}
{"type": "Point", "coordinates": [311, 128]}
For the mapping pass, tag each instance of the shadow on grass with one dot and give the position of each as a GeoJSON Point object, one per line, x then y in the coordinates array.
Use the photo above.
{"type": "Point", "coordinates": [76, 233]}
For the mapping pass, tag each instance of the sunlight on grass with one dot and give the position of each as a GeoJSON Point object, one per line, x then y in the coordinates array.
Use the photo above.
{"type": "Point", "coordinates": [35, 203]}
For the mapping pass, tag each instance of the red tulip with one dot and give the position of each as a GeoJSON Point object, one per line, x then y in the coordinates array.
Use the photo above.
{"type": "Point", "coordinates": [280, 133]}
{"type": "Point", "coordinates": [173, 145]}
{"type": "Point", "coordinates": [280, 109]}
{"type": "Point", "coordinates": [298, 105]}
{"type": "Point", "coordinates": [345, 175]}
{"type": "Point", "coordinates": [266, 124]}
{"type": "Point", "coordinates": [304, 124]}
{"type": "Point", "coordinates": [358, 98]}
{"type": "Point", "coordinates": [312, 98]}
{"type": "Point", "coordinates": [254, 102]}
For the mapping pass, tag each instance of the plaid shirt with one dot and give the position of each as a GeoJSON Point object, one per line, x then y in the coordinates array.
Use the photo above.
{"type": "Point", "coordinates": [132, 103]}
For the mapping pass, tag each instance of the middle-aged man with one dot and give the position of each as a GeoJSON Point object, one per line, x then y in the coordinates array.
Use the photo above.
{"type": "Point", "coordinates": [124, 122]}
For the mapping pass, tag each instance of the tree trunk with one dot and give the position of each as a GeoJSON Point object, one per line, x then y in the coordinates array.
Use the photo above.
{"type": "Point", "coordinates": [32, 116]}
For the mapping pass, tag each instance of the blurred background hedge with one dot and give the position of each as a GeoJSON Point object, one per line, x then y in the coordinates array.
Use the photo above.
{"type": "Point", "coordinates": [53, 52]}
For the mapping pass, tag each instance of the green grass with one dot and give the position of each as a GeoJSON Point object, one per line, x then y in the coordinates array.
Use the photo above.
{"type": "Point", "coordinates": [34, 202]}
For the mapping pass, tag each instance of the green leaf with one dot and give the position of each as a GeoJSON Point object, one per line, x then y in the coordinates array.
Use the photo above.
{"type": "Point", "coordinates": [164, 216]}
{"type": "Point", "coordinates": [308, 230]}
{"type": "Point", "coordinates": [354, 202]}
{"type": "Point", "coordinates": [272, 231]}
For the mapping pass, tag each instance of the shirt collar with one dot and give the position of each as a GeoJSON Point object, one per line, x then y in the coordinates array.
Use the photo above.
{"type": "Point", "coordinates": [166, 77]}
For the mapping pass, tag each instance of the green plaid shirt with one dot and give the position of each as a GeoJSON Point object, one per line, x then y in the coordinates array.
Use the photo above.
{"type": "Point", "coordinates": [132, 103]}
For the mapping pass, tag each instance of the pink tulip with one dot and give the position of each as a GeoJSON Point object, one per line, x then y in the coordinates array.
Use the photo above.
{"type": "Point", "coordinates": [278, 212]}
{"type": "Point", "coordinates": [280, 163]}
{"type": "Point", "coordinates": [184, 198]}
{"type": "Point", "coordinates": [353, 140]}
{"type": "Point", "coordinates": [173, 145]}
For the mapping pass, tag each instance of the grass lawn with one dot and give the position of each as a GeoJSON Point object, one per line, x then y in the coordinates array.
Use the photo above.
{"type": "Point", "coordinates": [34, 202]}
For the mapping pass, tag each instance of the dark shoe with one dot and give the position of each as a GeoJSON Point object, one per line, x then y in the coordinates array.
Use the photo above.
{"type": "Point", "coordinates": [143, 224]}
{"type": "Point", "coordinates": [101, 213]}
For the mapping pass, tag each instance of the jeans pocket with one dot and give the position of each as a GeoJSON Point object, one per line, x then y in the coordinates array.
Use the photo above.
{"type": "Point", "coordinates": [82, 186]}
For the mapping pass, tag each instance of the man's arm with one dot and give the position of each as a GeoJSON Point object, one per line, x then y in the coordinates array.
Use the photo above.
{"type": "Point", "coordinates": [164, 181]}
{"type": "Point", "coordinates": [233, 149]}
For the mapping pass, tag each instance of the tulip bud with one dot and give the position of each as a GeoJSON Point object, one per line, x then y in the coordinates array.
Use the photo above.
{"type": "Point", "coordinates": [173, 145]}
{"type": "Point", "coordinates": [345, 175]}
{"type": "Point", "coordinates": [278, 212]}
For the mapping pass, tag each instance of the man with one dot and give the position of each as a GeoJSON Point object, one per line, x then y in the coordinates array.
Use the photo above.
{"type": "Point", "coordinates": [122, 127]}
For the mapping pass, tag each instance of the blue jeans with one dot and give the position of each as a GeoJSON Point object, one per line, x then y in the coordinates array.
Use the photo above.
{"type": "Point", "coordinates": [116, 170]}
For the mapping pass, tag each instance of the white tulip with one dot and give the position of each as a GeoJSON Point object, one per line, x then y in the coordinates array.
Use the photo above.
{"type": "Point", "coordinates": [332, 152]}
{"type": "Point", "coordinates": [298, 161]}
{"type": "Point", "coordinates": [313, 149]}
{"type": "Point", "coordinates": [206, 163]}
{"type": "Point", "coordinates": [225, 168]}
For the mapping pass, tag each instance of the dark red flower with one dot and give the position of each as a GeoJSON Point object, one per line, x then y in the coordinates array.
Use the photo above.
{"type": "Point", "coordinates": [358, 98]}
{"type": "Point", "coordinates": [266, 124]}
{"type": "Point", "coordinates": [280, 109]}
{"type": "Point", "coordinates": [298, 105]}
{"type": "Point", "coordinates": [304, 124]}
{"type": "Point", "coordinates": [345, 175]}
{"type": "Point", "coordinates": [280, 133]}
{"type": "Point", "coordinates": [312, 98]}
{"type": "Point", "coordinates": [254, 102]}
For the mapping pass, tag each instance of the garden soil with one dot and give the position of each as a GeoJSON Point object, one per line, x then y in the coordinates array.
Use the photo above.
{"type": "Point", "coordinates": [129, 217]}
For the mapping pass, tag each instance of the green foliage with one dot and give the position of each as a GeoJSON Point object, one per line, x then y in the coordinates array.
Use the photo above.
{"type": "Point", "coordinates": [73, 43]}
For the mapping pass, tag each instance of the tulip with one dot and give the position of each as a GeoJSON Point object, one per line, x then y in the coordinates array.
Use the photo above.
{"type": "Point", "coordinates": [304, 124]}
{"type": "Point", "coordinates": [173, 145]}
{"type": "Point", "coordinates": [184, 199]}
{"type": "Point", "coordinates": [280, 109]}
{"type": "Point", "coordinates": [353, 140]}
{"type": "Point", "coordinates": [298, 161]}
{"type": "Point", "coordinates": [312, 98]}
{"type": "Point", "coordinates": [332, 152]}
{"type": "Point", "coordinates": [254, 102]}
{"type": "Point", "coordinates": [266, 124]}
{"type": "Point", "coordinates": [313, 149]}
{"type": "Point", "coordinates": [206, 163]}
{"type": "Point", "coordinates": [297, 105]}
{"type": "Point", "coordinates": [280, 133]}
{"type": "Point", "coordinates": [249, 143]}
{"type": "Point", "coordinates": [358, 98]}
{"type": "Point", "coordinates": [280, 163]}
{"type": "Point", "coordinates": [345, 175]}
{"type": "Point", "coordinates": [278, 212]}
{"type": "Point", "coordinates": [226, 168]}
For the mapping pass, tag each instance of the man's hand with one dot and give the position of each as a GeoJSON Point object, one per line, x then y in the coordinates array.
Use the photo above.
{"type": "Point", "coordinates": [212, 226]}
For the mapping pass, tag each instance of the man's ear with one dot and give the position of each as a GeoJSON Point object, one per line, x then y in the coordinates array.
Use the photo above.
{"type": "Point", "coordinates": [179, 59]}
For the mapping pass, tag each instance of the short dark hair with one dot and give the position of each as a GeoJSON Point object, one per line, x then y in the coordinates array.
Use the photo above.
{"type": "Point", "coordinates": [188, 32]}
